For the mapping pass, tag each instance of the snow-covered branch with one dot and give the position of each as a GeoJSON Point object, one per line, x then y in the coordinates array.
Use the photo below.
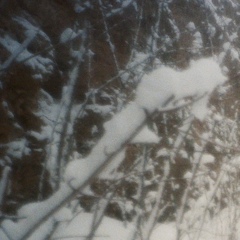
{"type": "Point", "coordinates": [156, 91]}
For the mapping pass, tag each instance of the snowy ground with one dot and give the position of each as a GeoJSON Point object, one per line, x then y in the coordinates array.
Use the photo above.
{"type": "Point", "coordinates": [219, 228]}
{"type": "Point", "coordinates": [109, 229]}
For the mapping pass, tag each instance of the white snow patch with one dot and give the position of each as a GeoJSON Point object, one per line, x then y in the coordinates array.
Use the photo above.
{"type": "Point", "coordinates": [38, 63]}
{"type": "Point", "coordinates": [30, 28]}
{"type": "Point", "coordinates": [211, 30]}
{"type": "Point", "coordinates": [163, 153]}
{"type": "Point", "coordinates": [81, 227]}
{"type": "Point", "coordinates": [197, 42]}
{"type": "Point", "coordinates": [226, 46]}
{"type": "Point", "coordinates": [18, 148]}
{"type": "Point", "coordinates": [166, 231]}
{"type": "Point", "coordinates": [67, 35]}
{"type": "Point", "coordinates": [63, 214]}
{"type": "Point", "coordinates": [117, 133]}
{"type": "Point", "coordinates": [104, 110]}
{"type": "Point", "coordinates": [199, 109]}
{"type": "Point", "coordinates": [207, 158]}
{"type": "Point", "coordinates": [28, 210]}
{"type": "Point", "coordinates": [78, 8]}
{"type": "Point", "coordinates": [164, 83]}
{"type": "Point", "coordinates": [191, 26]}
{"type": "Point", "coordinates": [109, 229]}
{"type": "Point", "coordinates": [234, 54]}
{"type": "Point", "coordinates": [188, 175]}
{"type": "Point", "coordinates": [146, 136]}
{"type": "Point", "coordinates": [221, 227]}
{"type": "Point", "coordinates": [38, 136]}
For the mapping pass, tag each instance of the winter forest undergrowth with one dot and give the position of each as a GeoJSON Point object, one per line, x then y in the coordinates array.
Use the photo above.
{"type": "Point", "coordinates": [119, 119]}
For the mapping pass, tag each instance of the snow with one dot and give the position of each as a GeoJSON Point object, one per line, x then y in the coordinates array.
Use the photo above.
{"type": "Point", "coordinates": [63, 214]}
{"type": "Point", "coordinates": [17, 230]}
{"type": "Point", "coordinates": [118, 129]}
{"type": "Point", "coordinates": [67, 35]}
{"type": "Point", "coordinates": [77, 169]}
{"type": "Point", "coordinates": [218, 118]}
{"type": "Point", "coordinates": [199, 108]}
{"type": "Point", "coordinates": [166, 231]}
{"type": "Point", "coordinates": [197, 42]}
{"type": "Point", "coordinates": [188, 175]}
{"type": "Point", "coordinates": [146, 136]}
{"type": "Point", "coordinates": [81, 227]}
{"type": "Point", "coordinates": [234, 54]}
{"type": "Point", "coordinates": [191, 26]}
{"type": "Point", "coordinates": [207, 158]}
{"type": "Point", "coordinates": [226, 46]}
{"type": "Point", "coordinates": [209, 4]}
{"type": "Point", "coordinates": [232, 166]}
{"type": "Point", "coordinates": [153, 93]}
{"type": "Point", "coordinates": [219, 228]}
{"type": "Point", "coordinates": [163, 152]}
{"type": "Point", "coordinates": [233, 36]}
{"type": "Point", "coordinates": [117, 132]}
{"type": "Point", "coordinates": [18, 148]}
{"type": "Point", "coordinates": [38, 63]}
{"type": "Point", "coordinates": [161, 85]}
{"type": "Point", "coordinates": [110, 229]}
{"type": "Point", "coordinates": [78, 8]}
{"type": "Point", "coordinates": [126, 3]}
{"type": "Point", "coordinates": [26, 213]}
{"type": "Point", "coordinates": [156, 88]}
{"type": "Point", "coordinates": [211, 30]}
{"type": "Point", "coordinates": [38, 136]}
{"type": "Point", "coordinates": [104, 110]}
{"type": "Point", "coordinates": [4, 182]}
{"type": "Point", "coordinates": [30, 28]}
{"type": "Point", "coordinates": [110, 172]}
{"type": "Point", "coordinates": [175, 28]}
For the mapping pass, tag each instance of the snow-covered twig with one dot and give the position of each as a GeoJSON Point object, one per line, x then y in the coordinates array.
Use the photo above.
{"type": "Point", "coordinates": [212, 195]}
{"type": "Point", "coordinates": [185, 197]}
{"type": "Point", "coordinates": [55, 159]}
{"type": "Point", "coordinates": [108, 36]}
{"type": "Point", "coordinates": [4, 184]}
{"type": "Point", "coordinates": [152, 219]}
{"type": "Point", "coordinates": [15, 54]}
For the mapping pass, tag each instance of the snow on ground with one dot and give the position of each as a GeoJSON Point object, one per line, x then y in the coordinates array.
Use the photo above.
{"type": "Point", "coordinates": [224, 226]}
{"type": "Point", "coordinates": [80, 227]}
{"type": "Point", "coordinates": [219, 228]}
{"type": "Point", "coordinates": [110, 229]}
